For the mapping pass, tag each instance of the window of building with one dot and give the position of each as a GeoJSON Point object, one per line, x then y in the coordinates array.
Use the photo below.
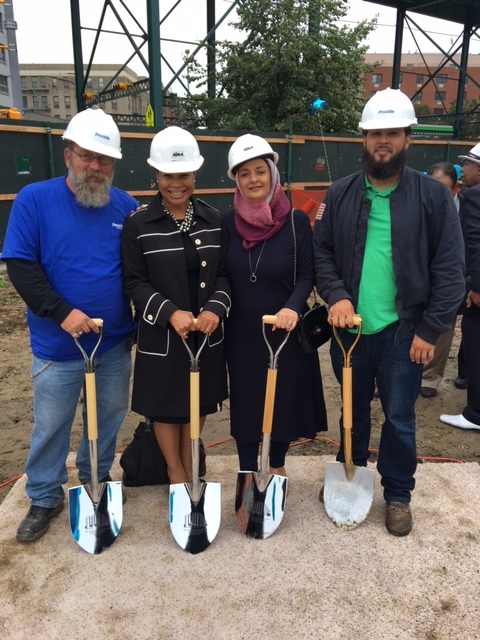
{"type": "Point", "coordinates": [410, 65]}
{"type": "Point", "coordinates": [66, 83]}
{"type": "Point", "coordinates": [400, 78]}
{"type": "Point", "coordinates": [89, 83]}
{"type": "Point", "coordinates": [25, 102]}
{"type": "Point", "coordinates": [44, 100]}
{"type": "Point", "coordinates": [43, 82]}
{"type": "Point", "coordinates": [67, 102]}
{"type": "Point", "coordinates": [114, 104]}
{"type": "Point", "coordinates": [372, 93]}
{"type": "Point", "coordinates": [3, 56]}
{"type": "Point", "coordinates": [36, 102]}
{"type": "Point", "coordinates": [3, 84]}
{"type": "Point", "coordinates": [54, 82]}
{"type": "Point", "coordinates": [68, 117]}
{"type": "Point", "coordinates": [1, 21]}
{"type": "Point", "coordinates": [439, 96]}
{"type": "Point", "coordinates": [101, 83]}
{"type": "Point", "coordinates": [419, 78]}
{"type": "Point", "coordinates": [23, 82]}
{"type": "Point", "coordinates": [417, 97]}
{"type": "Point", "coordinates": [34, 82]}
{"type": "Point", "coordinates": [56, 102]}
{"type": "Point", "coordinates": [441, 78]}
{"type": "Point", "coordinates": [377, 78]}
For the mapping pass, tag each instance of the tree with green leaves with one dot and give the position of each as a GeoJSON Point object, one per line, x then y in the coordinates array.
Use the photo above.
{"type": "Point", "coordinates": [293, 52]}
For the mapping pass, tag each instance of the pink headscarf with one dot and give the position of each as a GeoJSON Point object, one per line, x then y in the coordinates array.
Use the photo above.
{"type": "Point", "coordinates": [258, 221]}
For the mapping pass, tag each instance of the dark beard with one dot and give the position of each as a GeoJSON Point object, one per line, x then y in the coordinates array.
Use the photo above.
{"type": "Point", "coordinates": [383, 170]}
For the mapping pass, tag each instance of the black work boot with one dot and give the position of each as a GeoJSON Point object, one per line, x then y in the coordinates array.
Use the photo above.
{"type": "Point", "coordinates": [36, 522]}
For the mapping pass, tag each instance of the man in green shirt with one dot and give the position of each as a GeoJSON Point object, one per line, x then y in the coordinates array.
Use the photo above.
{"type": "Point", "coordinates": [389, 248]}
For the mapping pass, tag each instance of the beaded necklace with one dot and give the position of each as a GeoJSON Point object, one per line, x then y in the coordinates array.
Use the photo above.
{"type": "Point", "coordinates": [185, 224]}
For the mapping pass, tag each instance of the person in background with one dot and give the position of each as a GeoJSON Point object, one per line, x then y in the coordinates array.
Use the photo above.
{"type": "Point", "coordinates": [62, 249]}
{"type": "Point", "coordinates": [470, 220]}
{"type": "Point", "coordinates": [389, 248]}
{"type": "Point", "coordinates": [263, 232]}
{"type": "Point", "coordinates": [173, 255]}
{"type": "Point", "coordinates": [434, 369]}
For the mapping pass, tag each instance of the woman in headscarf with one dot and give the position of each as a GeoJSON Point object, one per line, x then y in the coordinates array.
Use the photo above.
{"type": "Point", "coordinates": [265, 237]}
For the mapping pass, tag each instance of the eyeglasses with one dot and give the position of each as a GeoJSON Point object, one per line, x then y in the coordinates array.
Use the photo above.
{"type": "Point", "coordinates": [104, 161]}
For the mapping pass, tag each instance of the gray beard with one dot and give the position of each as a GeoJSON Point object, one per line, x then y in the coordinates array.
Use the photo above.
{"type": "Point", "coordinates": [90, 196]}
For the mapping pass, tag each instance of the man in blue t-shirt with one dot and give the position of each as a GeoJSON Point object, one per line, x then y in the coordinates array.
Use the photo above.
{"type": "Point", "coordinates": [62, 249]}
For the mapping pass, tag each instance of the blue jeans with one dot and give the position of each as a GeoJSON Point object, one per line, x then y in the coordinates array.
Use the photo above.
{"type": "Point", "coordinates": [384, 357]}
{"type": "Point", "coordinates": [56, 390]}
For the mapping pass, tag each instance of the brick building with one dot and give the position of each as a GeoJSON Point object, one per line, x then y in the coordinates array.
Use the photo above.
{"type": "Point", "coordinates": [415, 70]}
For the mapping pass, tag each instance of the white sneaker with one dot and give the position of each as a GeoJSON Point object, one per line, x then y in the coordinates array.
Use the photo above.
{"type": "Point", "coordinates": [459, 421]}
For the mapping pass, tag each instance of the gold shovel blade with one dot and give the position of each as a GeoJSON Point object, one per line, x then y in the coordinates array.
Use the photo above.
{"type": "Point", "coordinates": [347, 499]}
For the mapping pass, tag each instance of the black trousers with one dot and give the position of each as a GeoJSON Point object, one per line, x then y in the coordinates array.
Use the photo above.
{"type": "Point", "coordinates": [248, 454]}
{"type": "Point", "coordinates": [471, 354]}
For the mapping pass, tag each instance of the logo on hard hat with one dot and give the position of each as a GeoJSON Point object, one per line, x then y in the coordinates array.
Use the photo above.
{"type": "Point", "coordinates": [101, 135]}
{"type": "Point", "coordinates": [177, 154]}
{"type": "Point", "coordinates": [386, 111]}
{"type": "Point", "coordinates": [248, 148]}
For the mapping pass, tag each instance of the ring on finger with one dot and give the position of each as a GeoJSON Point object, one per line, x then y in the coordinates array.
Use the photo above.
{"type": "Point", "coordinates": [289, 324]}
{"type": "Point", "coordinates": [75, 334]}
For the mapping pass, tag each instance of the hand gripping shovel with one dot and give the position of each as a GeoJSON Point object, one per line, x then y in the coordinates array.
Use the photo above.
{"type": "Point", "coordinates": [260, 496]}
{"type": "Point", "coordinates": [95, 509]}
{"type": "Point", "coordinates": [195, 507]}
{"type": "Point", "coordinates": [348, 491]}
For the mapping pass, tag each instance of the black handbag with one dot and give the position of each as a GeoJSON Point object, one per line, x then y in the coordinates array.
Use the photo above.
{"type": "Point", "coordinates": [143, 462]}
{"type": "Point", "coordinates": [313, 329]}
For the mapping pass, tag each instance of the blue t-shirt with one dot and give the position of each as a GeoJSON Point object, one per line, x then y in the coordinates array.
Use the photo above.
{"type": "Point", "coordinates": [78, 249]}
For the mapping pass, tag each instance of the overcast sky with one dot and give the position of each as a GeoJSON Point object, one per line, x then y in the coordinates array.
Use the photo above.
{"type": "Point", "coordinates": [44, 31]}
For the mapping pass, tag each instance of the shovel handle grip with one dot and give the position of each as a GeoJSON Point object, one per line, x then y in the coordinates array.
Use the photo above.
{"type": "Point", "coordinates": [98, 322]}
{"type": "Point", "coordinates": [269, 319]}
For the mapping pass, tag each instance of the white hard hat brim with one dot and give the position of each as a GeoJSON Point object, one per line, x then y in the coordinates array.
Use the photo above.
{"type": "Point", "coordinates": [96, 148]}
{"type": "Point", "coordinates": [233, 170]}
{"type": "Point", "coordinates": [374, 125]}
{"type": "Point", "coordinates": [177, 167]}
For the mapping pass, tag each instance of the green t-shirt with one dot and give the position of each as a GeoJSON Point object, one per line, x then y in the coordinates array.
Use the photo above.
{"type": "Point", "coordinates": [377, 291]}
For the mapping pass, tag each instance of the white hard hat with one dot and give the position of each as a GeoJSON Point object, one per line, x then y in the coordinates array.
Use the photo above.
{"type": "Point", "coordinates": [174, 150]}
{"type": "Point", "coordinates": [388, 109]}
{"type": "Point", "coordinates": [473, 155]}
{"type": "Point", "coordinates": [96, 131]}
{"type": "Point", "coordinates": [248, 147]}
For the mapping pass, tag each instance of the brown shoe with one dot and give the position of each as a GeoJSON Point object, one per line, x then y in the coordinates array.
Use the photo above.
{"type": "Point", "coordinates": [428, 392]}
{"type": "Point", "coordinates": [398, 518]}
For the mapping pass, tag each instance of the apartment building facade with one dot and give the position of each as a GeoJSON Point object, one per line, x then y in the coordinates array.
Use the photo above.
{"type": "Point", "coordinates": [415, 70]}
{"type": "Point", "coordinates": [49, 91]}
{"type": "Point", "coordinates": [6, 94]}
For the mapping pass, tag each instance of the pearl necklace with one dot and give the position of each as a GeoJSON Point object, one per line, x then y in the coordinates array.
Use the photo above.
{"type": "Point", "coordinates": [185, 224]}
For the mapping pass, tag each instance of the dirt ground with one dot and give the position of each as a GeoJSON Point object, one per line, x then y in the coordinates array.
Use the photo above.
{"type": "Point", "coordinates": [434, 440]}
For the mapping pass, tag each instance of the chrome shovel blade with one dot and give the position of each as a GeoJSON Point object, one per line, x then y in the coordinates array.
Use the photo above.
{"type": "Point", "coordinates": [347, 501]}
{"type": "Point", "coordinates": [194, 524]}
{"type": "Point", "coordinates": [95, 526]}
{"type": "Point", "coordinates": [260, 511]}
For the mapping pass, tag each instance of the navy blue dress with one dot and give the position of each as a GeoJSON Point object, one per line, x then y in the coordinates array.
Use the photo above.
{"type": "Point", "coordinates": [299, 401]}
